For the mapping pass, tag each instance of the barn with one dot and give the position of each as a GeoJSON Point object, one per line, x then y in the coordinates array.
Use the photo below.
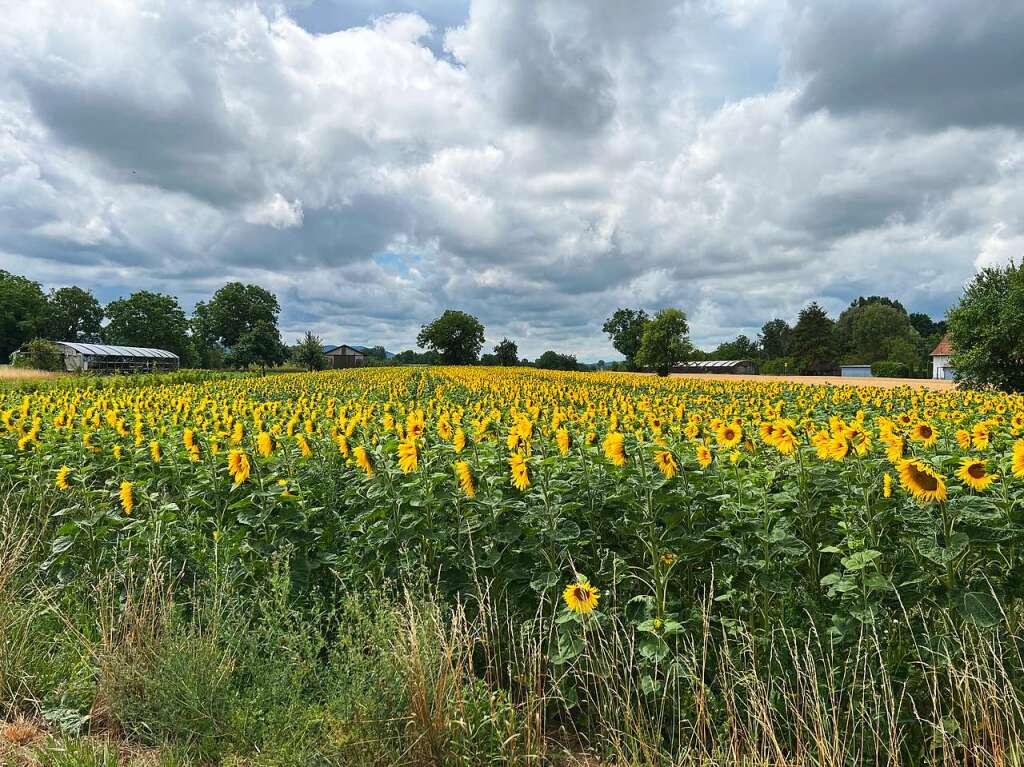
{"type": "Point", "coordinates": [718, 367]}
{"type": "Point", "coordinates": [941, 368]}
{"type": "Point", "coordinates": [344, 356]}
{"type": "Point", "coordinates": [102, 358]}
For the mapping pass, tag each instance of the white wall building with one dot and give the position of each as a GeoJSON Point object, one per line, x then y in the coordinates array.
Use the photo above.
{"type": "Point", "coordinates": [941, 368]}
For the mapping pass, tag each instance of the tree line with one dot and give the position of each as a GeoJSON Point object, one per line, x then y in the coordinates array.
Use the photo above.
{"type": "Point", "coordinates": [237, 327]}
{"type": "Point", "coordinates": [873, 330]}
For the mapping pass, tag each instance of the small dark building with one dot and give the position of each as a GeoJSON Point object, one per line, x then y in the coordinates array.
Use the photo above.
{"type": "Point", "coordinates": [344, 356]}
{"type": "Point", "coordinates": [718, 367]}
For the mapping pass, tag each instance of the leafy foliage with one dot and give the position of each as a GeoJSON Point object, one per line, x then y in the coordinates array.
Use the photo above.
{"type": "Point", "coordinates": [664, 342]}
{"type": "Point", "coordinates": [22, 312]}
{"type": "Point", "coordinates": [73, 314]}
{"type": "Point", "coordinates": [506, 353]}
{"type": "Point", "coordinates": [986, 330]}
{"type": "Point", "coordinates": [456, 336]}
{"type": "Point", "coordinates": [309, 352]}
{"type": "Point", "coordinates": [148, 319]}
{"type": "Point", "coordinates": [626, 328]}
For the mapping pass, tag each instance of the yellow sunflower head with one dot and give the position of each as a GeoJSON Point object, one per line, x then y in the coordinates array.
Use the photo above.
{"type": "Point", "coordinates": [581, 597]}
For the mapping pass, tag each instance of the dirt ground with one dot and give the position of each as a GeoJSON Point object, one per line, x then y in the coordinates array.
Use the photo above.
{"type": "Point", "coordinates": [883, 383]}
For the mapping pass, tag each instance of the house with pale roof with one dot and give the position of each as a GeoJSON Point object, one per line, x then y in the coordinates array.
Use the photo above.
{"type": "Point", "coordinates": [941, 368]}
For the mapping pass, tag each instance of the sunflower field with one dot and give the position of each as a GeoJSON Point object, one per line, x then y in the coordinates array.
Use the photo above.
{"type": "Point", "coordinates": [687, 517]}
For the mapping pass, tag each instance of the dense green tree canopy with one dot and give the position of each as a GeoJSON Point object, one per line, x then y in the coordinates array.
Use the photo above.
{"type": "Point", "coordinates": [986, 330]}
{"type": "Point", "coordinates": [23, 312]}
{"type": "Point", "coordinates": [740, 349]}
{"type": "Point", "coordinates": [506, 353]}
{"type": "Point", "coordinates": [236, 309]}
{"type": "Point", "coordinates": [625, 328]}
{"type": "Point", "coordinates": [552, 360]}
{"type": "Point", "coordinates": [261, 346]}
{"type": "Point", "coordinates": [814, 344]}
{"type": "Point", "coordinates": [456, 336]}
{"type": "Point", "coordinates": [148, 319]}
{"type": "Point", "coordinates": [665, 342]}
{"type": "Point", "coordinates": [73, 315]}
{"type": "Point", "coordinates": [775, 338]}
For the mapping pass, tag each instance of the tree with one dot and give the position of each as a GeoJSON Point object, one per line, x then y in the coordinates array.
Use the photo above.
{"type": "Point", "coordinates": [506, 353]}
{"type": "Point", "coordinates": [153, 320]}
{"type": "Point", "coordinates": [875, 328]}
{"type": "Point", "coordinates": [236, 309]}
{"type": "Point", "coordinates": [260, 346]}
{"type": "Point", "coordinates": [844, 325]}
{"type": "Point", "coordinates": [775, 338]}
{"type": "Point", "coordinates": [664, 342]}
{"type": "Point", "coordinates": [814, 344]}
{"type": "Point", "coordinates": [411, 357]}
{"type": "Point", "coordinates": [457, 336]}
{"type": "Point", "coordinates": [986, 331]}
{"type": "Point", "coordinates": [551, 360]}
{"type": "Point", "coordinates": [22, 312]}
{"type": "Point", "coordinates": [209, 352]}
{"type": "Point", "coordinates": [740, 349]}
{"type": "Point", "coordinates": [310, 352]}
{"type": "Point", "coordinates": [73, 314]}
{"type": "Point", "coordinates": [625, 328]}
{"type": "Point", "coordinates": [376, 352]}
{"type": "Point", "coordinates": [38, 354]}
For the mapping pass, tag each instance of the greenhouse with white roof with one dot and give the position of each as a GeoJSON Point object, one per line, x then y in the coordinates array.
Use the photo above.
{"type": "Point", "coordinates": [101, 358]}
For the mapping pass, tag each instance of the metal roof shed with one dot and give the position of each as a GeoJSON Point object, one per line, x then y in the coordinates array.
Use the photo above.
{"type": "Point", "coordinates": [104, 358]}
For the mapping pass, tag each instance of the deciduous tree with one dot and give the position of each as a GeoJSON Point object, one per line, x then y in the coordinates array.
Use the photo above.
{"type": "Point", "coordinates": [664, 342]}
{"type": "Point", "coordinates": [456, 336]}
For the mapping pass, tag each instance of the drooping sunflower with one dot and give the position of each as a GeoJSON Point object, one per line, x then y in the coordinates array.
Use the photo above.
{"type": "Point", "coordinates": [154, 451]}
{"type": "Point", "coordinates": [924, 433]}
{"type": "Point", "coordinates": [264, 444]}
{"type": "Point", "coordinates": [581, 597]}
{"type": "Point", "coordinates": [974, 474]}
{"type": "Point", "coordinates": [459, 440]}
{"type": "Point", "coordinates": [127, 499]}
{"type": "Point", "coordinates": [62, 478]}
{"type": "Point", "coordinates": [614, 448]}
{"type": "Point", "coordinates": [238, 466]}
{"type": "Point", "coordinates": [304, 447]}
{"type": "Point", "coordinates": [887, 485]}
{"type": "Point", "coordinates": [465, 478]}
{"type": "Point", "coordinates": [363, 460]}
{"type": "Point", "coordinates": [188, 437]}
{"type": "Point", "coordinates": [563, 440]}
{"type": "Point", "coordinates": [520, 472]}
{"type": "Point", "coordinates": [408, 455]}
{"type": "Point", "coordinates": [342, 442]}
{"type": "Point", "coordinates": [666, 463]}
{"type": "Point", "coordinates": [704, 456]}
{"type": "Point", "coordinates": [838, 447]}
{"type": "Point", "coordinates": [921, 481]}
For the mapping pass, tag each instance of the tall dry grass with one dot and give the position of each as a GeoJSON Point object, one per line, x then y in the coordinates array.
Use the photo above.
{"type": "Point", "coordinates": [9, 373]}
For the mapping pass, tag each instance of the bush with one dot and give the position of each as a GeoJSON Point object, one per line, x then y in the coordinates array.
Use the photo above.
{"type": "Point", "coordinates": [890, 369]}
{"type": "Point", "coordinates": [39, 354]}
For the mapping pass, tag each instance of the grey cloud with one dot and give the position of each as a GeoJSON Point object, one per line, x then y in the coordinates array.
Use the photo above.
{"type": "Point", "coordinates": [938, 63]}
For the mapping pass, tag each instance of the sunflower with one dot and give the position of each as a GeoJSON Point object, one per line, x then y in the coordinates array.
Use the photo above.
{"type": "Point", "coordinates": [465, 478]}
{"type": "Point", "coordinates": [459, 441]}
{"type": "Point", "coordinates": [838, 447]}
{"type": "Point", "coordinates": [704, 456]}
{"type": "Point", "coordinates": [188, 437]}
{"type": "Point", "coordinates": [117, 451]}
{"type": "Point", "coordinates": [614, 448]}
{"type": "Point", "coordinates": [154, 451]}
{"type": "Point", "coordinates": [729, 435]}
{"type": "Point", "coordinates": [666, 463]}
{"type": "Point", "coordinates": [303, 444]}
{"type": "Point", "coordinates": [363, 460]}
{"type": "Point", "coordinates": [563, 440]}
{"type": "Point", "coordinates": [264, 444]}
{"type": "Point", "coordinates": [973, 473]}
{"type": "Point", "coordinates": [963, 438]}
{"type": "Point", "coordinates": [125, 493]}
{"type": "Point", "coordinates": [408, 455]}
{"type": "Point", "coordinates": [62, 478]}
{"type": "Point", "coordinates": [924, 433]}
{"type": "Point", "coordinates": [783, 438]}
{"type": "Point", "coordinates": [520, 472]}
{"type": "Point", "coordinates": [923, 482]}
{"type": "Point", "coordinates": [342, 442]}
{"type": "Point", "coordinates": [238, 466]}
{"type": "Point", "coordinates": [887, 485]}
{"type": "Point", "coordinates": [1017, 467]}
{"type": "Point", "coordinates": [581, 597]}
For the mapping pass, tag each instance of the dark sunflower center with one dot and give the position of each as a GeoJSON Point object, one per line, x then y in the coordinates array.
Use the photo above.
{"type": "Point", "coordinates": [580, 594]}
{"type": "Point", "coordinates": [926, 431]}
{"type": "Point", "coordinates": [976, 470]}
{"type": "Point", "coordinates": [924, 481]}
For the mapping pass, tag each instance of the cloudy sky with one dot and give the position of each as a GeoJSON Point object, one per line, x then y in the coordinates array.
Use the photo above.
{"type": "Point", "coordinates": [535, 162]}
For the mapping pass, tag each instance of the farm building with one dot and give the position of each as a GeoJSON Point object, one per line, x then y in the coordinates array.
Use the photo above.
{"type": "Point", "coordinates": [940, 360]}
{"type": "Point", "coordinates": [856, 371]}
{"type": "Point", "coordinates": [344, 356]}
{"type": "Point", "coordinates": [736, 367]}
{"type": "Point", "coordinates": [101, 358]}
